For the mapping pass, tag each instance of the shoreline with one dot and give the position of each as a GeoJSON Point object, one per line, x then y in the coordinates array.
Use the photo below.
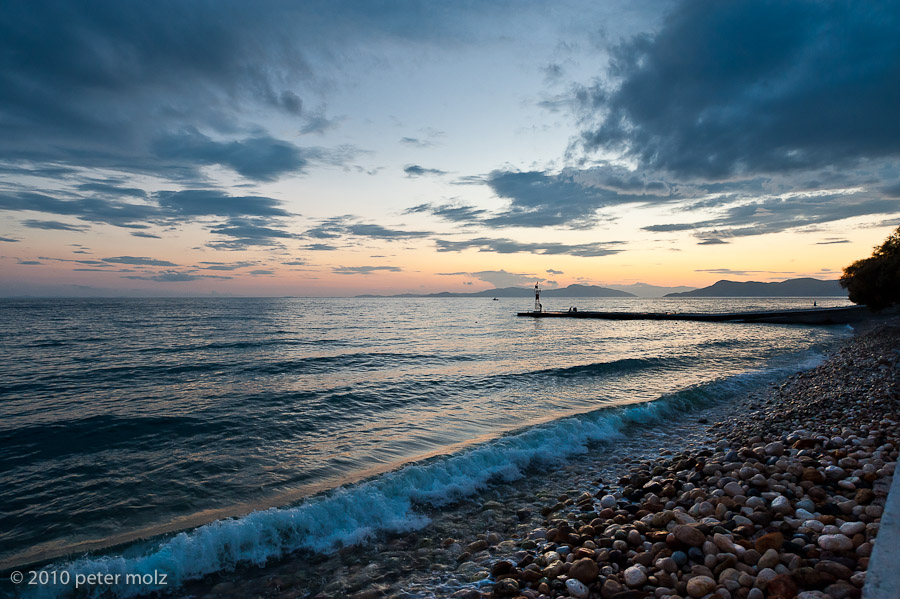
{"type": "Point", "coordinates": [787, 504]}
{"type": "Point", "coordinates": [454, 555]}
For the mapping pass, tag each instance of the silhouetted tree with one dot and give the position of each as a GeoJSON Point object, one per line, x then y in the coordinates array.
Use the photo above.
{"type": "Point", "coordinates": [875, 281]}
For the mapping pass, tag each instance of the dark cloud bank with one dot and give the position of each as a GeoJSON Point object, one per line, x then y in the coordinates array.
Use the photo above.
{"type": "Point", "coordinates": [743, 108]}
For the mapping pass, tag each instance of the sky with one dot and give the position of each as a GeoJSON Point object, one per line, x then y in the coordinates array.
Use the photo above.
{"type": "Point", "coordinates": [306, 148]}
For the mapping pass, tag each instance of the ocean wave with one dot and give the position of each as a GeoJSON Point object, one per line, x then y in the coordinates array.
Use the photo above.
{"type": "Point", "coordinates": [387, 503]}
{"type": "Point", "coordinates": [618, 367]}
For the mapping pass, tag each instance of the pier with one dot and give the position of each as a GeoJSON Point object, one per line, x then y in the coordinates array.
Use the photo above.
{"type": "Point", "coordinates": [820, 316]}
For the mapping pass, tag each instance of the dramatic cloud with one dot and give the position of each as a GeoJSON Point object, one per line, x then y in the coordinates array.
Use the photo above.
{"type": "Point", "coordinates": [427, 139]}
{"type": "Point", "coordinates": [167, 88]}
{"type": "Point", "coordinates": [251, 219]}
{"type": "Point", "coordinates": [225, 265]}
{"type": "Point", "coordinates": [508, 246]}
{"type": "Point", "coordinates": [451, 212]}
{"type": "Point", "coordinates": [52, 225]}
{"type": "Point", "coordinates": [416, 142]}
{"type": "Point", "coordinates": [364, 270]}
{"type": "Point", "coordinates": [501, 278]}
{"type": "Point", "coordinates": [341, 226]}
{"type": "Point", "coordinates": [138, 261]}
{"type": "Point", "coordinates": [571, 197]}
{"type": "Point", "coordinates": [774, 215]}
{"type": "Point", "coordinates": [319, 247]}
{"type": "Point", "coordinates": [550, 271]}
{"type": "Point", "coordinates": [197, 202]}
{"type": "Point", "coordinates": [95, 210]}
{"type": "Point", "coordinates": [540, 199]}
{"type": "Point", "coordinates": [414, 170]}
{"type": "Point", "coordinates": [173, 277]}
{"type": "Point", "coordinates": [248, 232]}
{"type": "Point", "coordinates": [739, 273]}
{"type": "Point", "coordinates": [258, 158]}
{"type": "Point", "coordinates": [112, 190]}
{"type": "Point", "coordinates": [754, 86]}
{"type": "Point", "coordinates": [9, 240]}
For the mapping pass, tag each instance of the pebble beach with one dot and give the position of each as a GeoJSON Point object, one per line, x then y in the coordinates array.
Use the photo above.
{"type": "Point", "coordinates": [787, 502]}
{"type": "Point", "coordinates": [778, 494]}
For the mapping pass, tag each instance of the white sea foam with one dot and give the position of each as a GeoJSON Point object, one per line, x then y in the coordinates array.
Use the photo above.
{"type": "Point", "coordinates": [354, 514]}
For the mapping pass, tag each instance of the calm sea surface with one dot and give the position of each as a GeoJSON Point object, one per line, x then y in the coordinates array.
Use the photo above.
{"type": "Point", "coordinates": [133, 418]}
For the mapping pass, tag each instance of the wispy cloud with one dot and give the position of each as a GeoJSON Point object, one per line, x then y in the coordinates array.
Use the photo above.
{"type": "Point", "coordinates": [52, 225]}
{"type": "Point", "coordinates": [138, 261]}
{"type": "Point", "coordinates": [508, 246]}
{"type": "Point", "coordinates": [497, 278]}
{"type": "Point", "coordinates": [414, 170]}
{"type": "Point", "coordinates": [364, 270]}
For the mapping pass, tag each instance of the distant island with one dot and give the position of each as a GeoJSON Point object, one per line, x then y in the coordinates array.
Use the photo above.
{"type": "Point", "coordinates": [806, 287]}
{"type": "Point", "coordinates": [570, 291]}
{"type": "Point", "coordinates": [650, 291]}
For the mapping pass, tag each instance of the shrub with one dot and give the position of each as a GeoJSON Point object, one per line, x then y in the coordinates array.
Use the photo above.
{"type": "Point", "coordinates": [875, 281]}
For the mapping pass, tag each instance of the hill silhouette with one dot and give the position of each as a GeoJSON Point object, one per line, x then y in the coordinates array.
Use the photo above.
{"type": "Point", "coordinates": [805, 287]}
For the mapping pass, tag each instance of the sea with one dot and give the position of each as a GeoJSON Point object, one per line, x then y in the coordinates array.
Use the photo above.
{"type": "Point", "coordinates": [191, 436]}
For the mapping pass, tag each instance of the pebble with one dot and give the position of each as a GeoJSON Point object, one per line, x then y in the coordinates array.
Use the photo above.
{"type": "Point", "coordinates": [635, 576]}
{"type": "Point", "coordinates": [781, 505]}
{"type": "Point", "coordinates": [733, 489]}
{"type": "Point", "coordinates": [698, 586]}
{"type": "Point", "coordinates": [789, 499]}
{"type": "Point", "coordinates": [585, 570]}
{"type": "Point", "coordinates": [836, 542]}
{"type": "Point", "coordinates": [852, 528]}
{"type": "Point", "coordinates": [577, 589]}
{"type": "Point", "coordinates": [769, 559]}
{"type": "Point", "coordinates": [689, 535]}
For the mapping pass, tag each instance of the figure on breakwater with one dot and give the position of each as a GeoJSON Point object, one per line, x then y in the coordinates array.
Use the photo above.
{"type": "Point", "coordinates": [537, 298]}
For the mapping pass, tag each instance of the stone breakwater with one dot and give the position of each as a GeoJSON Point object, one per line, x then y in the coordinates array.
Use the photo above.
{"type": "Point", "coordinates": [786, 503]}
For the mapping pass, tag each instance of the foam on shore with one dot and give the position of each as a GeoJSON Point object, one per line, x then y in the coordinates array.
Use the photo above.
{"type": "Point", "coordinates": [356, 513]}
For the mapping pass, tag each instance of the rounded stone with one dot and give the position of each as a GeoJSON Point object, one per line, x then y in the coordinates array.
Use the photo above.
{"type": "Point", "coordinates": [585, 570]}
{"type": "Point", "coordinates": [733, 489]}
{"type": "Point", "coordinates": [772, 540]}
{"type": "Point", "coordinates": [781, 505]}
{"type": "Point", "coordinates": [635, 576]}
{"type": "Point", "coordinates": [769, 559]}
{"type": "Point", "coordinates": [667, 564]}
{"type": "Point", "coordinates": [608, 501]}
{"type": "Point", "coordinates": [837, 542]}
{"type": "Point", "coordinates": [723, 543]}
{"type": "Point", "coordinates": [776, 448]}
{"type": "Point", "coordinates": [689, 535]}
{"type": "Point", "coordinates": [577, 589]}
{"type": "Point", "coordinates": [852, 528]}
{"type": "Point", "coordinates": [507, 587]}
{"type": "Point", "coordinates": [699, 586]}
{"type": "Point", "coordinates": [680, 558]}
{"type": "Point", "coordinates": [835, 473]}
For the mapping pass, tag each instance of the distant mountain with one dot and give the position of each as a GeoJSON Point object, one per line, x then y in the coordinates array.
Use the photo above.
{"type": "Point", "coordinates": [790, 288]}
{"type": "Point", "coordinates": [570, 291]}
{"type": "Point", "coordinates": [646, 290]}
